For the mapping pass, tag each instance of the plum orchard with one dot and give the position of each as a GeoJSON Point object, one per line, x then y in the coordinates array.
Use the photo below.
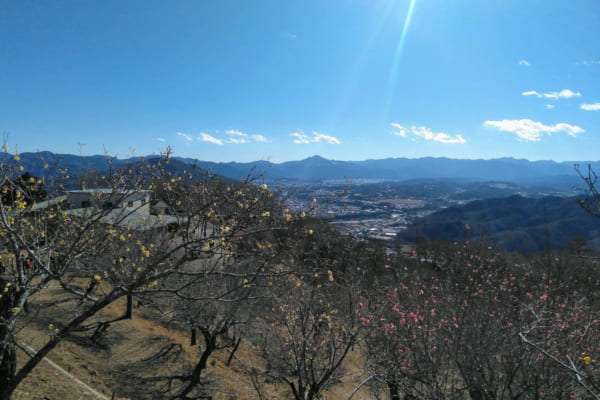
{"type": "Point", "coordinates": [227, 259]}
{"type": "Point", "coordinates": [454, 333]}
{"type": "Point", "coordinates": [90, 257]}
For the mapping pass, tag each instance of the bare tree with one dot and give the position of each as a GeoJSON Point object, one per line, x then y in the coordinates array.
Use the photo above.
{"type": "Point", "coordinates": [88, 258]}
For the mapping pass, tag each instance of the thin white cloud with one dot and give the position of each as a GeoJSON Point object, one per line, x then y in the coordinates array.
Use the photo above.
{"type": "Point", "coordinates": [205, 137]}
{"type": "Point", "coordinates": [186, 136]}
{"type": "Point", "coordinates": [259, 138]}
{"type": "Point", "coordinates": [591, 107]}
{"type": "Point", "coordinates": [237, 140]}
{"type": "Point", "coordinates": [319, 137]}
{"type": "Point", "coordinates": [589, 63]}
{"type": "Point", "coordinates": [402, 131]}
{"type": "Point", "coordinates": [524, 63]}
{"type": "Point", "coordinates": [427, 134]}
{"type": "Point", "coordinates": [533, 131]}
{"type": "Point", "coordinates": [302, 138]}
{"type": "Point", "coordinates": [239, 137]}
{"type": "Point", "coordinates": [563, 94]}
{"type": "Point", "coordinates": [235, 132]}
{"type": "Point", "coordinates": [292, 36]}
{"type": "Point", "coordinates": [549, 106]}
{"type": "Point", "coordinates": [161, 139]}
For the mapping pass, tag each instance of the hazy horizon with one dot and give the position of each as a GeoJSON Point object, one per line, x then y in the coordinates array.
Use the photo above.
{"type": "Point", "coordinates": [309, 157]}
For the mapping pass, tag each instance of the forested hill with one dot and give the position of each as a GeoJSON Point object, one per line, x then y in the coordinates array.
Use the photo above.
{"type": "Point", "coordinates": [514, 223]}
{"type": "Point", "coordinates": [320, 169]}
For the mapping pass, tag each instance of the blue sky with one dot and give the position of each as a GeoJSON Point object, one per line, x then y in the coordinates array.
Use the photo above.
{"type": "Point", "coordinates": [242, 80]}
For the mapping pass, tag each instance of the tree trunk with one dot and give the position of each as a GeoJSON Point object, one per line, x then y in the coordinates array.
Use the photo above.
{"type": "Point", "coordinates": [393, 388]}
{"type": "Point", "coordinates": [8, 368]}
{"type": "Point", "coordinates": [8, 352]}
{"type": "Point", "coordinates": [235, 347]}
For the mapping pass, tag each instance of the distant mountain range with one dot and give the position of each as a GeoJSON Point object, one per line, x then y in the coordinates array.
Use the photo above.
{"type": "Point", "coordinates": [318, 169]}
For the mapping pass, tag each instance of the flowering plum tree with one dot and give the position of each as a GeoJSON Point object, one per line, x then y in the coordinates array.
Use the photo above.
{"type": "Point", "coordinates": [82, 260]}
{"type": "Point", "coordinates": [453, 332]}
{"type": "Point", "coordinates": [309, 324]}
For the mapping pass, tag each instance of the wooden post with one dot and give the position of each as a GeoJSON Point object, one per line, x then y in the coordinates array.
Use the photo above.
{"type": "Point", "coordinates": [193, 340]}
{"type": "Point", "coordinates": [129, 311]}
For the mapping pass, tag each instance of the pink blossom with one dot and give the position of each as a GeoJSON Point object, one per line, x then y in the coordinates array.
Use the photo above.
{"type": "Point", "coordinates": [413, 316]}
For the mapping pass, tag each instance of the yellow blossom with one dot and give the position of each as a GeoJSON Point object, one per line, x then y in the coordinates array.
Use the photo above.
{"type": "Point", "coordinates": [15, 310]}
{"type": "Point", "coordinates": [310, 231]}
{"type": "Point", "coordinates": [16, 157]}
{"type": "Point", "coordinates": [98, 278]}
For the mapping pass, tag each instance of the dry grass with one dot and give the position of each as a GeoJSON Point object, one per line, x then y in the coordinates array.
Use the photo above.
{"type": "Point", "coordinates": [107, 367]}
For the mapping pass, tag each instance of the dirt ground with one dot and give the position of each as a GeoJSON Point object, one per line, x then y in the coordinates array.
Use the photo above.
{"type": "Point", "coordinates": [124, 351]}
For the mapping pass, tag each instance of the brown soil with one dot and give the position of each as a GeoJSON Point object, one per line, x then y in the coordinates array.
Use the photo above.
{"type": "Point", "coordinates": [122, 351]}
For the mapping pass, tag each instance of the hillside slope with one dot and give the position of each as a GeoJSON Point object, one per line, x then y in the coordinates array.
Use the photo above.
{"type": "Point", "coordinates": [515, 223]}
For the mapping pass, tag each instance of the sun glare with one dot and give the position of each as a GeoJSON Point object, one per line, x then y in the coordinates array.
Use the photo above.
{"type": "Point", "coordinates": [393, 78]}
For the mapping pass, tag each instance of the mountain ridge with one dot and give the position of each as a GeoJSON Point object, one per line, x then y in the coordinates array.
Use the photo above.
{"type": "Point", "coordinates": [317, 168]}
